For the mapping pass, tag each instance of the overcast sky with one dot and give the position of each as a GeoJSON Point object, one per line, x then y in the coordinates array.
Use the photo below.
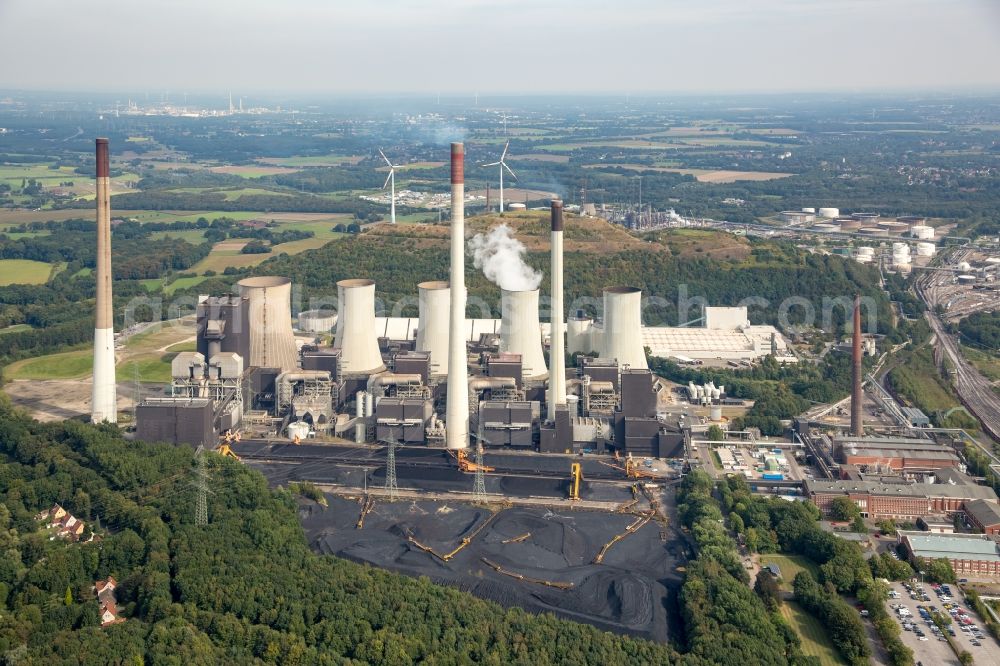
{"type": "Point", "coordinates": [499, 46]}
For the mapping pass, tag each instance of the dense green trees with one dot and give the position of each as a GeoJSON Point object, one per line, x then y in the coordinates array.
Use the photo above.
{"type": "Point", "coordinates": [982, 329]}
{"type": "Point", "coordinates": [840, 620]}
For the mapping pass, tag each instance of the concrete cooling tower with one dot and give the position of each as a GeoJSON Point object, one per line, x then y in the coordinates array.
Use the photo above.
{"type": "Point", "coordinates": [356, 337]}
{"type": "Point", "coordinates": [272, 343]}
{"type": "Point", "coordinates": [622, 337]}
{"type": "Point", "coordinates": [432, 330]}
{"type": "Point", "coordinates": [521, 332]}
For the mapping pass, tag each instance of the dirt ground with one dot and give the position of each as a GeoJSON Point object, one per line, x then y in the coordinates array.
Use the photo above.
{"type": "Point", "coordinates": [57, 400]}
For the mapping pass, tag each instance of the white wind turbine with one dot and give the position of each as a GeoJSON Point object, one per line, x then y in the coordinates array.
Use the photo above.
{"type": "Point", "coordinates": [390, 179]}
{"type": "Point", "coordinates": [502, 165]}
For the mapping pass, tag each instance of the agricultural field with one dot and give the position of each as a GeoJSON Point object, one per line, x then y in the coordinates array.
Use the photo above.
{"type": "Point", "coordinates": [252, 171]}
{"type": "Point", "coordinates": [74, 364]}
{"type": "Point", "coordinates": [312, 160]}
{"type": "Point", "coordinates": [26, 271]}
{"type": "Point", "coordinates": [815, 642]}
{"type": "Point", "coordinates": [701, 175]}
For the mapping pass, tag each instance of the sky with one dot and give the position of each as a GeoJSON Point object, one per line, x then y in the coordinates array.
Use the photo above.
{"type": "Point", "coordinates": [500, 46]}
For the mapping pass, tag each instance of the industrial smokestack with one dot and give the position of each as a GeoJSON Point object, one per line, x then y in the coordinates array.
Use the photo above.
{"type": "Point", "coordinates": [857, 421]}
{"type": "Point", "coordinates": [521, 332]}
{"type": "Point", "coordinates": [457, 410]}
{"type": "Point", "coordinates": [557, 350]}
{"type": "Point", "coordinates": [104, 399]}
{"type": "Point", "coordinates": [432, 331]}
{"type": "Point", "coordinates": [356, 337]}
{"type": "Point", "coordinates": [272, 343]}
{"type": "Point", "coordinates": [622, 334]}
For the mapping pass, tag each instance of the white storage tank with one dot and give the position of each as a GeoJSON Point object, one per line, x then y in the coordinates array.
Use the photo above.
{"type": "Point", "coordinates": [299, 429]}
{"type": "Point", "coordinates": [926, 249]}
{"type": "Point", "coordinates": [900, 248]}
{"type": "Point", "coordinates": [516, 206]}
{"type": "Point", "coordinates": [829, 212]}
{"type": "Point", "coordinates": [808, 210]}
{"type": "Point", "coordinates": [922, 232]}
{"type": "Point", "coordinates": [965, 266]}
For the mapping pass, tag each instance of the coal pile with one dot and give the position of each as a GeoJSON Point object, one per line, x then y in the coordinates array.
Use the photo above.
{"type": "Point", "coordinates": [545, 556]}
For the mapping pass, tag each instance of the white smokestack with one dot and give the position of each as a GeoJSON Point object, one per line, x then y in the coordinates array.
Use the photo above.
{"type": "Point", "coordinates": [521, 332]}
{"type": "Point", "coordinates": [104, 397]}
{"type": "Point", "coordinates": [272, 343]}
{"type": "Point", "coordinates": [557, 350]}
{"type": "Point", "coordinates": [457, 411]}
{"type": "Point", "coordinates": [501, 258]}
{"type": "Point", "coordinates": [622, 337]}
{"type": "Point", "coordinates": [356, 337]}
{"type": "Point", "coordinates": [432, 331]}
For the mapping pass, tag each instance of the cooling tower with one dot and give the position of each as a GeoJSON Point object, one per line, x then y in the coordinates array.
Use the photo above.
{"type": "Point", "coordinates": [272, 344]}
{"type": "Point", "coordinates": [622, 337]}
{"type": "Point", "coordinates": [557, 351]}
{"type": "Point", "coordinates": [578, 329]}
{"type": "Point", "coordinates": [521, 332]}
{"type": "Point", "coordinates": [432, 329]}
{"type": "Point", "coordinates": [457, 409]}
{"type": "Point", "coordinates": [104, 396]}
{"type": "Point", "coordinates": [356, 337]}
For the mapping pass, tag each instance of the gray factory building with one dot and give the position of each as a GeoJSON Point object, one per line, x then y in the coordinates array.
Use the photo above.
{"type": "Point", "coordinates": [223, 325]}
{"type": "Point", "coordinates": [402, 419]}
{"type": "Point", "coordinates": [176, 421]}
{"type": "Point", "coordinates": [507, 423]}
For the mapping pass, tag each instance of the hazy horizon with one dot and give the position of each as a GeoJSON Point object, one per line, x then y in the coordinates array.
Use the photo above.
{"type": "Point", "coordinates": [517, 47]}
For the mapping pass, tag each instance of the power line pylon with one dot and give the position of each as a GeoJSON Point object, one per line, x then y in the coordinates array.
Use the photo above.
{"type": "Point", "coordinates": [479, 485]}
{"type": "Point", "coordinates": [201, 486]}
{"type": "Point", "coordinates": [390, 471]}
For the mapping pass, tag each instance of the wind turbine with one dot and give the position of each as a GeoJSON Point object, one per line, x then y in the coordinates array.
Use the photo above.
{"type": "Point", "coordinates": [502, 165]}
{"type": "Point", "coordinates": [390, 179]}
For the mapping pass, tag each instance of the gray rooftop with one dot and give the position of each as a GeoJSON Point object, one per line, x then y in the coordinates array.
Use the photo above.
{"type": "Point", "coordinates": [984, 512]}
{"type": "Point", "coordinates": [901, 489]}
{"type": "Point", "coordinates": [952, 546]}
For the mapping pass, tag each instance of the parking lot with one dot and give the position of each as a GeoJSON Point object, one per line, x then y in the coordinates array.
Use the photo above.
{"type": "Point", "coordinates": [931, 647]}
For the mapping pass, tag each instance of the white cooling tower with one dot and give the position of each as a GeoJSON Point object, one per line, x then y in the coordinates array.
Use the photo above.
{"type": "Point", "coordinates": [521, 332]}
{"type": "Point", "coordinates": [356, 337]}
{"type": "Point", "coordinates": [623, 327]}
{"type": "Point", "coordinates": [578, 328]}
{"type": "Point", "coordinates": [272, 343]}
{"type": "Point", "coordinates": [432, 331]}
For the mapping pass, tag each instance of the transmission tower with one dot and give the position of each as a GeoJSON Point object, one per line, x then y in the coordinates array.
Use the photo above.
{"type": "Point", "coordinates": [390, 471]}
{"type": "Point", "coordinates": [137, 389]}
{"type": "Point", "coordinates": [201, 485]}
{"type": "Point", "coordinates": [479, 485]}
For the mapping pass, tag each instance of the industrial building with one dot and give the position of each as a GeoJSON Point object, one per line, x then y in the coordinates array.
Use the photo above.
{"type": "Point", "coordinates": [969, 554]}
{"type": "Point", "coordinates": [984, 516]}
{"type": "Point", "coordinates": [893, 454]}
{"type": "Point", "coordinates": [897, 499]}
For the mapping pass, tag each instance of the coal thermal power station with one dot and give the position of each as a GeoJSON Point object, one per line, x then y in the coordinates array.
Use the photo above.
{"type": "Point", "coordinates": [439, 380]}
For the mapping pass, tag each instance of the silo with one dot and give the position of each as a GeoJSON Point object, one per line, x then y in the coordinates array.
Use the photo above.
{"type": "Point", "coordinates": [926, 249]}
{"type": "Point", "coordinates": [922, 232]}
{"type": "Point", "coordinates": [432, 330]}
{"type": "Point", "coordinates": [356, 337]}
{"type": "Point", "coordinates": [622, 338]}
{"type": "Point", "coordinates": [521, 332]}
{"type": "Point", "coordinates": [829, 212]}
{"type": "Point", "coordinates": [272, 343]}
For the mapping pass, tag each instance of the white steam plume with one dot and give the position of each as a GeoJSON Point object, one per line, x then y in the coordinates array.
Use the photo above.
{"type": "Point", "coordinates": [501, 258]}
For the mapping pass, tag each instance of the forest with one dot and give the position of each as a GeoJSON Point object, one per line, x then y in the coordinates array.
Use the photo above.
{"type": "Point", "coordinates": [244, 589]}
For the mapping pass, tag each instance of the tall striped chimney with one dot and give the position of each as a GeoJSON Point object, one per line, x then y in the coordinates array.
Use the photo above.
{"type": "Point", "coordinates": [857, 420]}
{"type": "Point", "coordinates": [457, 409]}
{"type": "Point", "coordinates": [104, 402]}
{"type": "Point", "coordinates": [557, 349]}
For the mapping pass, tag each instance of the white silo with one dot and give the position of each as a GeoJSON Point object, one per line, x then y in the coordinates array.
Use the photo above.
{"type": "Point", "coordinates": [432, 330]}
{"type": "Point", "coordinates": [272, 343]}
{"type": "Point", "coordinates": [922, 232]}
{"type": "Point", "coordinates": [926, 249]}
{"type": "Point", "coordinates": [622, 337]}
{"type": "Point", "coordinates": [356, 337]}
{"type": "Point", "coordinates": [829, 212]}
{"type": "Point", "coordinates": [578, 328]}
{"type": "Point", "coordinates": [521, 332]}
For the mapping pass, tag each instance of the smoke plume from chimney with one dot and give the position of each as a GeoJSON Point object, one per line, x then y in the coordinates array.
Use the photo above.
{"type": "Point", "coordinates": [501, 258]}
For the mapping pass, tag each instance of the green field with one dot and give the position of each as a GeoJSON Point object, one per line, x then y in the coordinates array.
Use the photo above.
{"type": "Point", "coordinates": [25, 271]}
{"type": "Point", "coordinates": [193, 236]}
{"type": "Point", "coordinates": [16, 328]}
{"type": "Point", "coordinates": [313, 160]}
{"type": "Point", "coordinates": [64, 365]}
{"type": "Point", "coordinates": [151, 369]}
{"type": "Point", "coordinates": [815, 642]}
{"type": "Point", "coordinates": [790, 566]}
